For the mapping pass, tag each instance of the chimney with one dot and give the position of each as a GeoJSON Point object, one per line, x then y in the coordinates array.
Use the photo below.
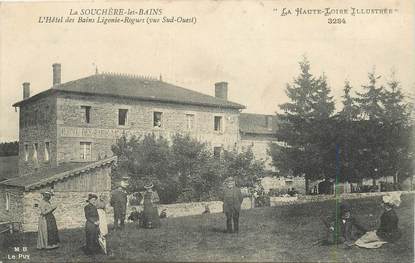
{"type": "Point", "coordinates": [221, 90]}
{"type": "Point", "coordinates": [56, 74]}
{"type": "Point", "coordinates": [26, 90]}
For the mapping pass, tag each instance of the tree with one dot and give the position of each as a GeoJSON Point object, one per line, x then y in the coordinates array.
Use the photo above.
{"type": "Point", "coordinates": [243, 166]}
{"type": "Point", "coordinates": [305, 127]}
{"type": "Point", "coordinates": [146, 160]}
{"type": "Point", "coordinates": [9, 148]}
{"type": "Point", "coordinates": [397, 132]}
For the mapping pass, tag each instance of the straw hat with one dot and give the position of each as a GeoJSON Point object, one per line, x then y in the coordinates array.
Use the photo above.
{"type": "Point", "coordinates": [47, 193]}
{"type": "Point", "coordinates": [148, 186]}
{"type": "Point", "coordinates": [229, 180]}
{"type": "Point", "coordinates": [393, 199]}
{"type": "Point", "coordinates": [91, 196]}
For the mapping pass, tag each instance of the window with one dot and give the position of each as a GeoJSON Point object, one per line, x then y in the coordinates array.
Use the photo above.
{"type": "Point", "coordinates": [47, 112]}
{"type": "Point", "coordinates": [86, 110]}
{"type": "Point", "coordinates": [85, 151]}
{"type": "Point", "coordinates": [36, 117]}
{"type": "Point", "coordinates": [7, 201]}
{"type": "Point", "coordinates": [26, 152]}
{"type": "Point", "coordinates": [190, 120]}
{"type": "Point", "coordinates": [35, 148]}
{"type": "Point", "coordinates": [122, 117]}
{"type": "Point", "coordinates": [218, 123]}
{"type": "Point", "coordinates": [216, 152]}
{"type": "Point", "coordinates": [47, 151]}
{"type": "Point", "coordinates": [157, 119]}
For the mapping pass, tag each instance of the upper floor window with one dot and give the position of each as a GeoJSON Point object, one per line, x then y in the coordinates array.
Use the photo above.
{"type": "Point", "coordinates": [122, 117]}
{"type": "Point", "coordinates": [86, 111]}
{"type": "Point", "coordinates": [35, 150]}
{"type": "Point", "coordinates": [46, 114]}
{"type": "Point", "coordinates": [85, 151]}
{"type": "Point", "coordinates": [157, 119]}
{"type": "Point", "coordinates": [47, 151]}
{"type": "Point", "coordinates": [190, 121]}
{"type": "Point", "coordinates": [218, 125]}
{"type": "Point", "coordinates": [26, 152]}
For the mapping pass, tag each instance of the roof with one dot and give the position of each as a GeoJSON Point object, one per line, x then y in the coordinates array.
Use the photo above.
{"type": "Point", "coordinates": [8, 167]}
{"type": "Point", "coordinates": [128, 86]}
{"type": "Point", "coordinates": [49, 175]}
{"type": "Point", "coordinates": [258, 123]}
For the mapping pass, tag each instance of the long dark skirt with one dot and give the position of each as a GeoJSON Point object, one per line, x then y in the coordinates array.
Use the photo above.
{"type": "Point", "coordinates": [91, 237]}
{"type": "Point", "coordinates": [151, 217]}
{"type": "Point", "coordinates": [53, 236]}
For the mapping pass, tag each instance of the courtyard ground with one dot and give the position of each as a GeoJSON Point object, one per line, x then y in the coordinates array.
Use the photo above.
{"type": "Point", "coordinates": [278, 234]}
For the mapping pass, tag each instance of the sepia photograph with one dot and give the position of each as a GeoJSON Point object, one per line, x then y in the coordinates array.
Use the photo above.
{"type": "Point", "coordinates": [207, 131]}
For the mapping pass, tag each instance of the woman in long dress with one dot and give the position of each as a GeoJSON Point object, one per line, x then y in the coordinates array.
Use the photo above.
{"type": "Point", "coordinates": [48, 237]}
{"type": "Point", "coordinates": [103, 224]}
{"type": "Point", "coordinates": [92, 226]}
{"type": "Point", "coordinates": [388, 230]}
{"type": "Point", "coordinates": [151, 217]}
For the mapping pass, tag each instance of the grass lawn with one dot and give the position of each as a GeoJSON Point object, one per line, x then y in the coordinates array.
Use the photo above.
{"type": "Point", "coordinates": [279, 234]}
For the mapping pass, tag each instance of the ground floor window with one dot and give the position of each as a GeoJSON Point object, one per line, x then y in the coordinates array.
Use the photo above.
{"type": "Point", "coordinates": [85, 151]}
{"type": "Point", "coordinates": [7, 201]}
{"type": "Point", "coordinates": [217, 152]}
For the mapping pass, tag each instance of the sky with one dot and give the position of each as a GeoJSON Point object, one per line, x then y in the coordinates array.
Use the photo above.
{"type": "Point", "coordinates": [246, 43]}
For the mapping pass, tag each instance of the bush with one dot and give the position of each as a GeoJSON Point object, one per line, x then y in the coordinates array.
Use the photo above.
{"type": "Point", "coordinates": [183, 169]}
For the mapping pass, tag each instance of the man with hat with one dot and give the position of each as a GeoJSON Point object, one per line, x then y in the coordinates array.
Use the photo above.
{"type": "Point", "coordinates": [119, 202]}
{"type": "Point", "coordinates": [232, 200]}
{"type": "Point", "coordinates": [345, 229]}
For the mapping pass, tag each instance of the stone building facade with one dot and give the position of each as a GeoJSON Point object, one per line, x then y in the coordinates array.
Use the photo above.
{"type": "Point", "coordinates": [70, 184]}
{"type": "Point", "coordinates": [66, 133]}
{"type": "Point", "coordinates": [78, 121]}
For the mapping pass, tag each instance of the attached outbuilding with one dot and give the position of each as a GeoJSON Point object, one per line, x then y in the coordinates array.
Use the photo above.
{"type": "Point", "coordinates": [70, 183]}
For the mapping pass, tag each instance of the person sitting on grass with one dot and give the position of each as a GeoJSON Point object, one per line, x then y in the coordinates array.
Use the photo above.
{"type": "Point", "coordinates": [135, 215]}
{"type": "Point", "coordinates": [388, 230]}
{"type": "Point", "coordinates": [344, 230]}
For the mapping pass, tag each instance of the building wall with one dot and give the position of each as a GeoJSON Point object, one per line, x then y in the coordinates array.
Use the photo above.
{"type": "Point", "coordinates": [70, 195]}
{"type": "Point", "coordinates": [103, 128]}
{"type": "Point", "coordinates": [260, 146]}
{"type": "Point", "coordinates": [37, 124]}
{"type": "Point", "coordinates": [15, 211]}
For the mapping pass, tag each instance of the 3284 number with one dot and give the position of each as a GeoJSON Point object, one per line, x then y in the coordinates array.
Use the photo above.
{"type": "Point", "coordinates": [336, 21]}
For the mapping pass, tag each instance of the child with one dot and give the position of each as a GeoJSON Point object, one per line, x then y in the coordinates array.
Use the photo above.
{"type": "Point", "coordinates": [135, 216]}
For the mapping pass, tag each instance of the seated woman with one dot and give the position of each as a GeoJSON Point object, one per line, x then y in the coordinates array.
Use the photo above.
{"type": "Point", "coordinates": [388, 230]}
{"type": "Point", "coordinates": [150, 213]}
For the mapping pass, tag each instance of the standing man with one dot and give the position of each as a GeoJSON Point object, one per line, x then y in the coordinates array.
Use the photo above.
{"type": "Point", "coordinates": [232, 200]}
{"type": "Point", "coordinates": [119, 202]}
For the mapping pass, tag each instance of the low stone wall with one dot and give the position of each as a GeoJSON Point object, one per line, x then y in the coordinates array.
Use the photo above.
{"type": "Point", "coordinates": [278, 201]}
{"type": "Point", "coordinates": [195, 208]}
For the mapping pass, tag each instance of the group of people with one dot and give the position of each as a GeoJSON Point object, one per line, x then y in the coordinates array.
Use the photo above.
{"type": "Point", "coordinates": [348, 231]}
{"type": "Point", "coordinates": [96, 225]}
{"type": "Point", "coordinates": [343, 229]}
